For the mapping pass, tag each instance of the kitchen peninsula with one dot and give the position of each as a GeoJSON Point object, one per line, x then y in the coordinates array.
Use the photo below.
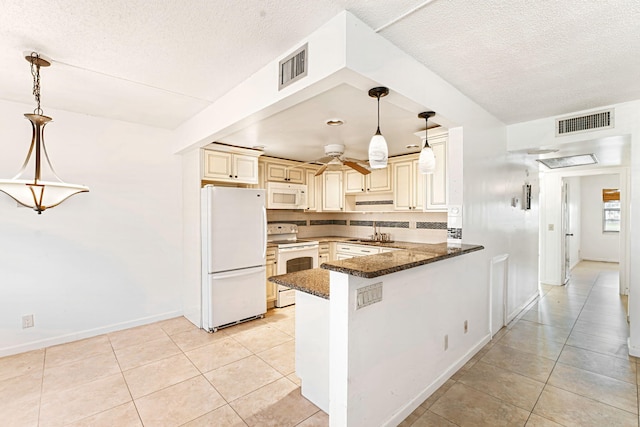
{"type": "Point", "coordinates": [377, 334]}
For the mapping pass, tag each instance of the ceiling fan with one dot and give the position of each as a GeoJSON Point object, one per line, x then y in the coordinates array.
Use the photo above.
{"type": "Point", "coordinates": [333, 156]}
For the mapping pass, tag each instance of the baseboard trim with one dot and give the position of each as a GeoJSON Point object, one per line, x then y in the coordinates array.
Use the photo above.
{"type": "Point", "coordinates": [522, 306]}
{"type": "Point", "coordinates": [88, 333]}
{"type": "Point", "coordinates": [404, 412]}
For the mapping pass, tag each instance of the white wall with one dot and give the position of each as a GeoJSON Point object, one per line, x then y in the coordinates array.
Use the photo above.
{"type": "Point", "coordinates": [597, 245]}
{"type": "Point", "coordinates": [102, 260]}
{"type": "Point", "coordinates": [540, 133]}
{"type": "Point", "coordinates": [482, 175]}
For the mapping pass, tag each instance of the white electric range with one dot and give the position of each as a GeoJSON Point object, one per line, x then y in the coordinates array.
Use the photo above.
{"type": "Point", "coordinates": [292, 255]}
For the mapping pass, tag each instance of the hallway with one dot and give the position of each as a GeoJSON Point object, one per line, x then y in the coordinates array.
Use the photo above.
{"type": "Point", "coordinates": [563, 362]}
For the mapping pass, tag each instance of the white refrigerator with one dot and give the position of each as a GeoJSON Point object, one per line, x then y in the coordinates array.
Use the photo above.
{"type": "Point", "coordinates": [234, 244]}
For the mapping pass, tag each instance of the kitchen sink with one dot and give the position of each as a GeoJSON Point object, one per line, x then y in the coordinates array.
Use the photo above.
{"type": "Point", "coordinates": [369, 241]}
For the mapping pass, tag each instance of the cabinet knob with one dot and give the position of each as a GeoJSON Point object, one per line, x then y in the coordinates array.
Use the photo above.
{"type": "Point", "coordinates": [362, 189]}
{"type": "Point", "coordinates": [236, 176]}
{"type": "Point", "coordinates": [230, 176]}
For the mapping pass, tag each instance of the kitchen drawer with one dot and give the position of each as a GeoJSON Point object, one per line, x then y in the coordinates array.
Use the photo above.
{"type": "Point", "coordinates": [384, 250]}
{"type": "Point", "coordinates": [356, 250]}
{"type": "Point", "coordinates": [323, 248]}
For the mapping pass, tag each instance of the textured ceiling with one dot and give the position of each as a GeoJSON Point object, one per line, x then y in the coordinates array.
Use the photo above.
{"type": "Point", "coordinates": [160, 62]}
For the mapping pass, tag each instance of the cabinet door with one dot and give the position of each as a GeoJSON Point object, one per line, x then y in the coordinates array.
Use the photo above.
{"type": "Point", "coordinates": [379, 180]}
{"type": "Point", "coordinates": [403, 185]}
{"type": "Point", "coordinates": [332, 194]}
{"type": "Point", "coordinates": [217, 166]}
{"type": "Point", "coordinates": [311, 189]}
{"type": "Point", "coordinates": [437, 181]}
{"type": "Point", "coordinates": [271, 287]}
{"type": "Point", "coordinates": [295, 176]}
{"type": "Point", "coordinates": [323, 258]}
{"type": "Point", "coordinates": [419, 188]}
{"type": "Point", "coordinates": [245, 168]}
{"type": "Point", "coordinates": [340, 256]}
{"type": "Point", "coordinates": [353, 182]}
{"type": "Point", "coordinates": [276, 172]}
{"type": "Point", "coordinates": [282, 172]}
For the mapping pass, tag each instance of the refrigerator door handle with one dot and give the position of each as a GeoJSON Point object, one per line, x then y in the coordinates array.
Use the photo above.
{"type": "Point", "coordinates": [237, 273]}
{"type": "Point", "coordinates": [264, 236]}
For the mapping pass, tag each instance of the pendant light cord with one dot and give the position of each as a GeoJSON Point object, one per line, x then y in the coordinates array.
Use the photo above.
{"type": "Point", "coordinates": [35, 72]}
{"type": "Point", "coordinates": [378, 131]}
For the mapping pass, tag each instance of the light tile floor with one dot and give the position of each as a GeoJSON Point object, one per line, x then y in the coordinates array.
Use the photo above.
{"type": "Point", "coordinates": [562, 362]}
{"type": "Point", "coordinates": [165, 374]}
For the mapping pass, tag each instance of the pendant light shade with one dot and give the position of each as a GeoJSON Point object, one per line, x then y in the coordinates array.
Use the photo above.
{"type": "Point", "coordinates": [427, 159]}
{"type": "Point", "coordinates": [378, 151]}
{"type": "Point", "coordinates": [33, 192]}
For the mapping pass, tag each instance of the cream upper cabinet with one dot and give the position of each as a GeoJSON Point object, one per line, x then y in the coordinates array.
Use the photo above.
{"type": "Point", "coordinates": [416, 192]}
{"type": "Point", "coordinates": [284, 172]}
{"type": "Point", "coordinates": [378, 181]}
{"type": "Point", "coordinates": [354, 182]}
{"type": "Point", "coordinates": [437, 182]}
{"type": "Point", "coordinates": [230, 166]}
{"type": "Point", "coordinates": [332, 192]}
{"type": "Point", "coordinates": [408, 185]}
{"type": "Point", "coordinates": [312, 193]}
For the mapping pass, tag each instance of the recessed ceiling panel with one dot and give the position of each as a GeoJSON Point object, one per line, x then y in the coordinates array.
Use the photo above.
{"type": "Point", "coordinates": [569, 161]}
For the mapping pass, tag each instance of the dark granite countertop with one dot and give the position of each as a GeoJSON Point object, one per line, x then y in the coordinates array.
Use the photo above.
{"type": "Point", "coordinates": [410, 255]}
{"type": "Point", "coordinates": [314, 282]}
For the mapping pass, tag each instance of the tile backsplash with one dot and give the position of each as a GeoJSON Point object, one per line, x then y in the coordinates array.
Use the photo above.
{"type": "Point", "coordinates": [423, 227]}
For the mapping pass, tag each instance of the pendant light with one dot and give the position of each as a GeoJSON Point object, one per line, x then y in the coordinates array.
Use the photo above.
{"type": "Point", "coordinates": [427, 160]}
{"type": "Point", "coordinates": [33, 192]}
{"type": "Point", "coordinates": [378, 151]}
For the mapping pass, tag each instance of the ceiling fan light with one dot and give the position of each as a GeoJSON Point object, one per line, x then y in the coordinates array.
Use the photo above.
{"type": "Point", "coordinates": [427, 161]}
{"type": "Point", "coordinates": [378, 151]}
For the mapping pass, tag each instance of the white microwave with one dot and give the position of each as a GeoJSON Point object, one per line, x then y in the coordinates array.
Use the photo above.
{"type": "Point", "coordinates": [281, 195]}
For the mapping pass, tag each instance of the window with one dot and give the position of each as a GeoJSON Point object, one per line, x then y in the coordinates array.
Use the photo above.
{"type": "Point", "coordinates": [610, 210]}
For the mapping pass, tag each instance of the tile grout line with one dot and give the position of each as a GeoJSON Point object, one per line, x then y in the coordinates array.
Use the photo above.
{"type": "Point", "coordinates": [563, 347]}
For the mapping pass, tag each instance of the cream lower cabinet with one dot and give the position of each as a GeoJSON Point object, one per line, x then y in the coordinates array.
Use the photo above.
{"type": "Point", "coordinates": [332, 192]}
{"type": "Point", "coordinates": [323, 253]}
{"type": "Point", "coordinates": [408, 185]}
{"type": "Point", "coordinates": [271, 271]}
{"type": "Point", "coordinates": [349, 250]}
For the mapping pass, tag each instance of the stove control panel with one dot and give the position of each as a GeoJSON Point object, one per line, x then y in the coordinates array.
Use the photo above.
{"type": "Point", "coordinates": [276, 229]}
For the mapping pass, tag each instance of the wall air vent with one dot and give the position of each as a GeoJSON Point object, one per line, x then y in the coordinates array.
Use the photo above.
{"type": "Point", "coordinates": [598, 120]}
{"type": "Point", "coordinates": [293, 67]}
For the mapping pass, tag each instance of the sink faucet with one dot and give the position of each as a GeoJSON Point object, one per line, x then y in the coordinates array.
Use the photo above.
{"type": "Point", "coordinates": [376, 235]}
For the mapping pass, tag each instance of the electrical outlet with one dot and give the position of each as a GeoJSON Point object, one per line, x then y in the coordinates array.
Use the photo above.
{"type": "Point", "coordinates": [27, 321]}
{"type": "Point", "coordinates": [446, 342]}
{"type": "Point", "coordinates": [466, 326]}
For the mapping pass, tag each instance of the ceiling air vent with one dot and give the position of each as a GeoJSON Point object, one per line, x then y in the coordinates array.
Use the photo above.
{"type": "Point", "coordinates": [293, 67]}
{"type": "Point", "coordinates": [599, 120]}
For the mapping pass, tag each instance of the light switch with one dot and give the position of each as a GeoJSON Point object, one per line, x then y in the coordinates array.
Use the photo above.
{"type": "Point", "coordinates": [369, 295]}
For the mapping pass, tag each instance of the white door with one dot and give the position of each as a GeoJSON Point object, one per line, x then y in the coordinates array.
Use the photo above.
{"type": "Point", "coordinates": [566, 234]}
{"type": "Point", "coordinates": [235, 228]}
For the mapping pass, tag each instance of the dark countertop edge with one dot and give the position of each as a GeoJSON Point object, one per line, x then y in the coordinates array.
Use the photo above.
{"type": "Point", "coordinates": [382, 272]}
{"type": "Point", "coordinates": [281, 280]}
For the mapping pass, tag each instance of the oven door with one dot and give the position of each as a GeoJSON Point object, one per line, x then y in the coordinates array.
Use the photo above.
{"type": "Point", "coordinates": [289, 260]}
